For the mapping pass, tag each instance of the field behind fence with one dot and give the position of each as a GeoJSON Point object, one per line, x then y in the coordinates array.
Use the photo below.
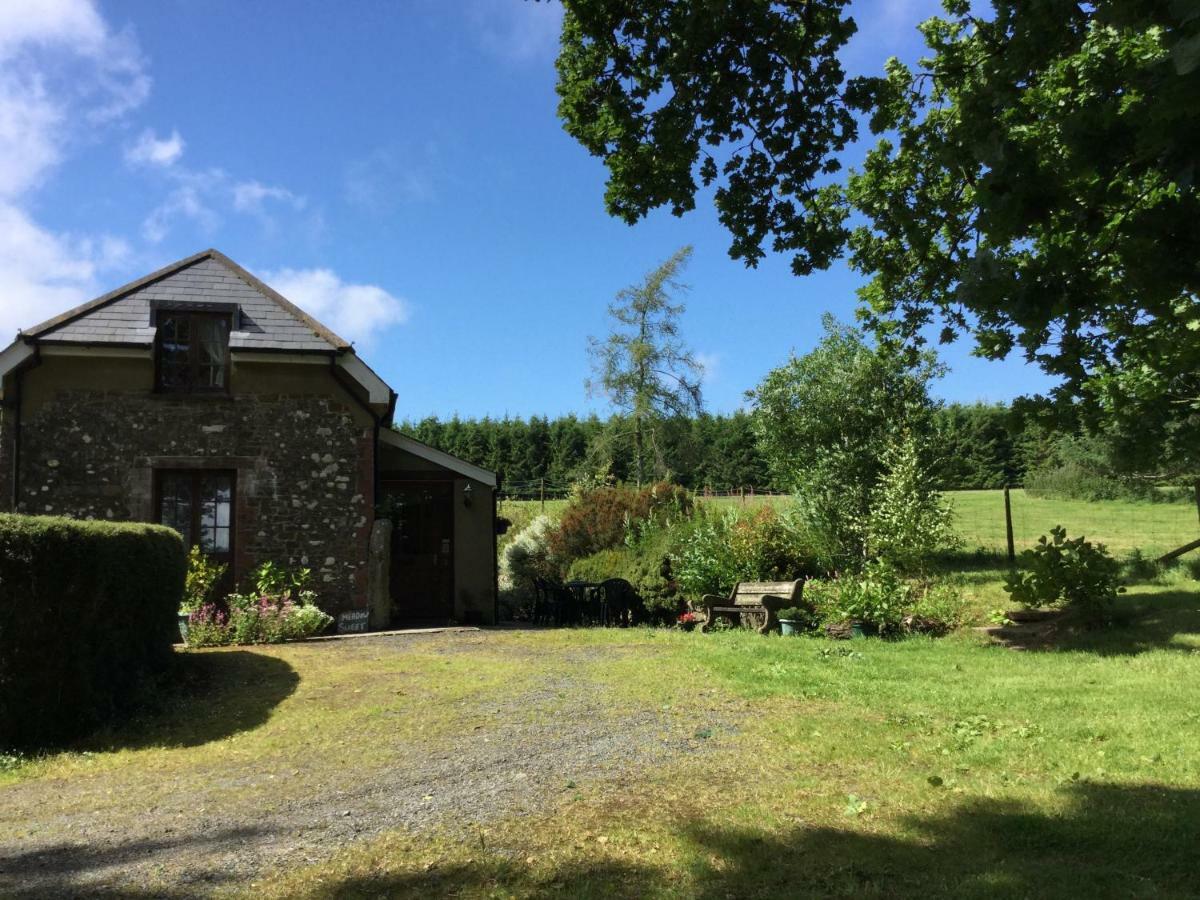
{"type": "Point", "coordinates": [1124, 526]}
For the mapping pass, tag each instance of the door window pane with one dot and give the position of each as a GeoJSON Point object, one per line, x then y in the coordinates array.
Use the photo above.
{"type": "Point", "coordinates": [199, 505]}
{"type": "Point", "coordinates": [175, 505]}
{"type": "Point", "coordinates": [216, 502]}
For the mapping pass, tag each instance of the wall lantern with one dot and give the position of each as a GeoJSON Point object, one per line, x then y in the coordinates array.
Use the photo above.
{"type": "Point", "coordinates": [467, 494]}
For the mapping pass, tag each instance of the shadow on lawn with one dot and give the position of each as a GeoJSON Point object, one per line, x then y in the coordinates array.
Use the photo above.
{"type": "Point", "coordinates": [1109, 841]}
{"type": "Point", "coordinates": [1142, 623]}
{"type": "Point", "coordinates": [203, 697]}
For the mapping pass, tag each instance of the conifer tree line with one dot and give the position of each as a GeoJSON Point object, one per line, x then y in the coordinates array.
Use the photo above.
{"type": "Point", "coordinates": [979, 446]}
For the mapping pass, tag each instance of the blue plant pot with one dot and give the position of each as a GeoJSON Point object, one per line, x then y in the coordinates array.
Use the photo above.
{"type": "Point", "coordinates": [788, 626]}
{"type": "Point", "coordinates": [856, 630]}
{"type": "Point", "coordinates": [183, 627]}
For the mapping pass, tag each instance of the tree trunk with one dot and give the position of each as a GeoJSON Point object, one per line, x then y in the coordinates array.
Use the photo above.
{"type": "Point", "coordinates": [638, 448]}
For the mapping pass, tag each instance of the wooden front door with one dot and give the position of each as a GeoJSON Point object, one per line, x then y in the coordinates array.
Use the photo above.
{"type": "Point", "coordinates": [422, 580]}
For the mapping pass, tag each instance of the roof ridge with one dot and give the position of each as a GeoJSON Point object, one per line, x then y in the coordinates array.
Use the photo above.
{"type": "Point", "coordinates": [323, 332]}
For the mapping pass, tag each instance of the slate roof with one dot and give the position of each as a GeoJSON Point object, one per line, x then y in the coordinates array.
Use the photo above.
{"type": "Point", "coordinates": [268, 320]}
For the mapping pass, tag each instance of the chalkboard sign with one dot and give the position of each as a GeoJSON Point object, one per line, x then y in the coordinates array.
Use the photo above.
{"type": "Point", "coordinates": [353, 621]}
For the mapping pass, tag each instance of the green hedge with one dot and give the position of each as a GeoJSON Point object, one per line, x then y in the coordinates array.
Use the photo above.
{"type": "Point", "coordinates": [87, 610]}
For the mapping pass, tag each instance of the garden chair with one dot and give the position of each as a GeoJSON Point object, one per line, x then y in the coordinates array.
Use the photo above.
{"type": "Point", "coordinates": [549, 598]}
{"type": "Point", "coordinates": [620, 603]}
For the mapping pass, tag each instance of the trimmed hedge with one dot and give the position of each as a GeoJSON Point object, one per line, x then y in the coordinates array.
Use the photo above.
{"type": "Point", "coordinates": [87, 610]}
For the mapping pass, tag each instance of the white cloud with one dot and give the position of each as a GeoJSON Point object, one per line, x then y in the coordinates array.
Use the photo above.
{"type": "Point", "coordinates": [357, 312]}
{"type": "Point", "coordinates": [63, 74]}
{"type": "Point", "coordinates": [249, 196]}
{"type": "Point", "coordinates": [201, 198]}
{"type": "Point", "coordinates": [517, 32]}
{"type": "Point", "coordinates": [42, 274]}
{"type": "Point", "coordinates": [66, 75]}
{"type": "Point", "coordinates": [29, 122]}
{"type": "Point", "coordinates": [60, 65]}
{"type": "Point", "coordinates": [186, 202]}
{"type": "Point", "coordinates": [151, 150]}
{"type": "Point", "coordinates": [40, 22]}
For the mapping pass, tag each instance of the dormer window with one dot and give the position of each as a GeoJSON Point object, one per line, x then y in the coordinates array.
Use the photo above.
{"type": "Point", "coordinates": [193, 351]}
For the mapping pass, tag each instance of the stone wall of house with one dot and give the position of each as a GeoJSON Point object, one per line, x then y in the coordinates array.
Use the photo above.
{"type": "Point", "coordinates": [304, 464]}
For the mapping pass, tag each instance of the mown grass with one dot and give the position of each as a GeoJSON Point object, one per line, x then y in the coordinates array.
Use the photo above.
{"type": "Point", "coordinates": [945, 768]}
{"type": "Point", "coordinates": [869, 768]}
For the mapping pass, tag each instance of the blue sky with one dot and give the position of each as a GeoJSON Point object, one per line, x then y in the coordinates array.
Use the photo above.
{"type": "Point", "coordinates": [397, 169]}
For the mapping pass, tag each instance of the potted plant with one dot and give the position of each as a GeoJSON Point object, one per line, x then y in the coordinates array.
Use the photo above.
{"type": "Point", "coordinates": [687, 620]}
{"type": "Point", "coordinates": [202, 577]}
{"type": "Point", "coordinates": [793, 620]}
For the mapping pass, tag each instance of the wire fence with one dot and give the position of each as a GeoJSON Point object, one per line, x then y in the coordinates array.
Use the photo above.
{"type": "Point", "coordinates": [1123, 526]}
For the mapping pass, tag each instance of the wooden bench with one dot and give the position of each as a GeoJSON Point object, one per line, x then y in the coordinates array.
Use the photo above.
{"type": "Point", "coordinates": [767, 597]}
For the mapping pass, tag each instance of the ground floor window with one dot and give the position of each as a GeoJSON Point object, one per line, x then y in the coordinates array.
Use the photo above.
{"type": "Point", "coordinates": [199, 504]}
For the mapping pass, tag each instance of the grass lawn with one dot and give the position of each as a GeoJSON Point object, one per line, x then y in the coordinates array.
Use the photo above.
{"type": "Point", "coordinates": [602, 763]}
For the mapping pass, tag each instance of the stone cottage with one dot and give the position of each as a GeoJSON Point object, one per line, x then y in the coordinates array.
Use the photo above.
{"type": "Point", "coordinates": [200, 398]}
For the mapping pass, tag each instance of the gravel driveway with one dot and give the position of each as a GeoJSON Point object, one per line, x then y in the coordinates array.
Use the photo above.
{"type": "Point", "coordinates": [190, 836]}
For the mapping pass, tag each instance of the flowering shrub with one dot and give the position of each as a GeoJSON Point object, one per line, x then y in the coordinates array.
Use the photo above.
{"type": "Point", "coordinates": [908, 522]}
{"type": "Point", "coordinates": [272, 579]}
{"type": "Point", "coordinates": [687, 618]}
{"type": "Point", "coordinates": [203, 574]}
{"type": "Point", "coordinates": [282, 608]}
{"type": "Point", "coordinates": [527, 556]}
{"type": "Point", "coordinates": [208, 626]}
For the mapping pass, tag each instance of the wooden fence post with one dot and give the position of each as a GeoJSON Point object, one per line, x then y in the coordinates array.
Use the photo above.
{"type": "Point", "coordinates": [1190, 545]}
{"type": "Point", "coordinates": [1012, 545]}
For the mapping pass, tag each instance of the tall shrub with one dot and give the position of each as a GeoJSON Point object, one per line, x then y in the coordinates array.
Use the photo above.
{"type": "Point", "coordinates": [87, 610]}
{"type": "Point", "coordinates": [908, 521]}
{"type": "Point", "coordinates": [719, 549]}
{"type": "Point", "coordinates": [527, 556]}
{"type": "Point", "coordinates": [600, 518]}
{"type": "Point", "coordinates": [824, 422]}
